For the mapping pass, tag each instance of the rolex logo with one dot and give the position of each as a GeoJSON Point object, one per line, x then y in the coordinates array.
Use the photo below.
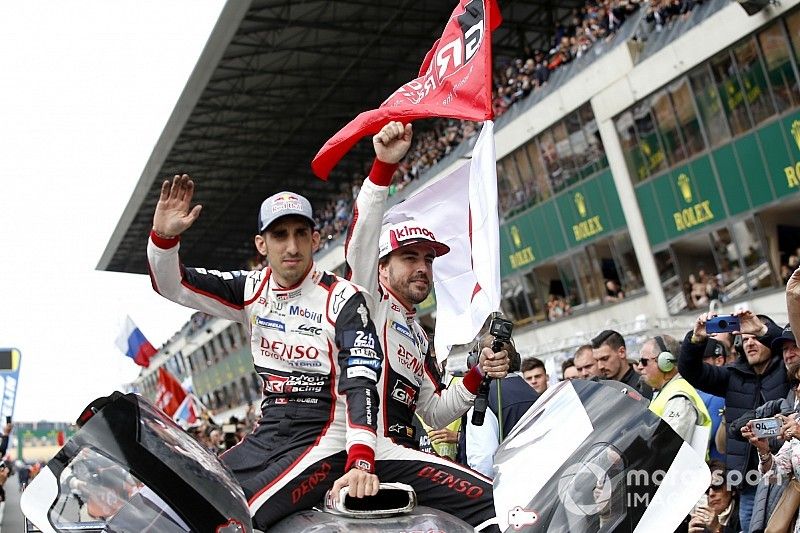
{"type": "Point", "coordinates": [796, 132]}
{"type": "Point", "coordinates": [580, 204]}
{"type": "Point", "coordinates": [515, 237]}
{"type": "Point", "coordinates": [685, 187]}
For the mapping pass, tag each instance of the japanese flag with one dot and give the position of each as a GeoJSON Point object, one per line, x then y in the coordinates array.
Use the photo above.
{"type": "Point", "coordinates": [461, 210]}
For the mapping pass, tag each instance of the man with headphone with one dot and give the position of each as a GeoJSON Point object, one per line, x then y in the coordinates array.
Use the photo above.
{"type": "Point", "coordinates": [675, 400]}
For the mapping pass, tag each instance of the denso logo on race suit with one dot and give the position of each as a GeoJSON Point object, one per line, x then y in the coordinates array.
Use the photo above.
{"type": "Point", "coordinates": [280, 350]}
{"type": "Point", "coordinates": [270, 324]}
{"type": "Point", "coordinates": [410, 360]}
{"type": "Point", "coordinates": [308, 484]}
{"type": "Point", "coordinates": [404, 393]}
{"type": "Point", "coordinates": [296, 310]}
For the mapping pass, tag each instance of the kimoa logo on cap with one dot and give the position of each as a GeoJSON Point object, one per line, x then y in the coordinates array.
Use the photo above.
{"type": "Point", "coordinates": [410, 231]}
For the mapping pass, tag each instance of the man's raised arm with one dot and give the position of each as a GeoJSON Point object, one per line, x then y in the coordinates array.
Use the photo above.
{"type": "Point", "coordinates": [793, 300]}
{"type": "Point", "coordinates": [217, 293]}
{"type": "Point", "coordinates": [361, 246]}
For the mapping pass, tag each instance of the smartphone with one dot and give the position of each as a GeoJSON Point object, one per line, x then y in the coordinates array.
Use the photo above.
{"type": "Point", "coordinates": [702, 502]}
{"type": "Point", "coordinates": [766, 427]}
{"type": "Point", "coordinates": [723, 324]}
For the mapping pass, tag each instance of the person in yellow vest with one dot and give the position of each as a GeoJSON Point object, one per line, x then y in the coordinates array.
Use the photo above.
{"type": "Point", "coordinates": [675, 400]}
{"type": "Point", "coordinates": [443, 442]}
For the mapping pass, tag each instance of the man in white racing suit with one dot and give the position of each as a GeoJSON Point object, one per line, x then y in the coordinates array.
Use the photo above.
{"type": "Point", "coordinates": [313, 343]}
{"type": "Point", "coordinates": [395, 268]}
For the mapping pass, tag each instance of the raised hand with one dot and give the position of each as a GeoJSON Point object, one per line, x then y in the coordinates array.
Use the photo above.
{"type": "Point", "coordinates": [749, 323]}
{"type": "Point", "coordinates": [793, 299]}
{"type": "Point", "coordinates": [173, 215]}
{"type": "Point", "coordinates": [699, 330]}
{"type": "Point", "coordinates": [759, 443]}
{"type": "Point", "coordinates": [392, 142]}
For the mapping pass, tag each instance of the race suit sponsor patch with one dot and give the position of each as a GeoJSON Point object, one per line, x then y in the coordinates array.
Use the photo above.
{"type": "Point", "coordinates": [402, 330]}
{"type": "Point", "coordinates": [369, 353]}
{"type": "Point", "coordinates": [268, 323]}
{"type": "Point", "coordinates": [361, 372]}
{"type": "Point", "coordinates": [360, 361]}
{"type": "Point", "coordinates": [404, 393]}
{"type": "Point", "coordinates": [359, 339]}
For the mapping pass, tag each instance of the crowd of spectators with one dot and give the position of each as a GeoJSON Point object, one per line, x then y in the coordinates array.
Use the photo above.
{"type": "Point", "coordinates": [217, 438]}
{"type": "Point", "coordinates": [516, 78]}
{"type": "Point", "coordinates": [661, 12]}
{"type": "Point", "coordinates": [732, 381]}
{"type": "Point", "coordinates": [702, 288]}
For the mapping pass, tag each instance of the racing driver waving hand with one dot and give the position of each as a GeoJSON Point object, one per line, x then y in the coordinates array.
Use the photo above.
{"type": "Point", "coordinates": [313, 343]}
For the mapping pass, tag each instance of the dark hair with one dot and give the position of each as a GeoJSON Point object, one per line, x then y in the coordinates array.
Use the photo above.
{"type": "Point", "coordinates": [567, 364]}
{"type": "Point", "coordinates": [610, 338]}
{"type": "Point", "coordinates": [532, 363]}
{"type": "Point", "coordinates": [792, 370]}
{"type": "Point", "coordinates": [714, 349]}
{"type": "Point", "coordinates": [720, 479]}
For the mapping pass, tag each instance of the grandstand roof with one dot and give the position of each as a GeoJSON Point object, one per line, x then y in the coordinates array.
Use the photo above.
{"type": "Point", "coordinates": [276, 79]}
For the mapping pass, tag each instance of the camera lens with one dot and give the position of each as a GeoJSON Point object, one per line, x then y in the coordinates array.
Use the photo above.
{"type": "Point", "coordinates": [723, 324]}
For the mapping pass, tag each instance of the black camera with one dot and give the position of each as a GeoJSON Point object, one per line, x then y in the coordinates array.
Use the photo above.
{"type": "Point", "coordinates": [501, 329]}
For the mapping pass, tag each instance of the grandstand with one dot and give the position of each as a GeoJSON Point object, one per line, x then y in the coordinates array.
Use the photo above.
{"type": "Point", "coordinates": [648, 176]}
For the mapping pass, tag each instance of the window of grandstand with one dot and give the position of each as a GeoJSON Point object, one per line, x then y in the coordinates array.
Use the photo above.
{"type": "Point", "coordinates": [601, 273]}
{"type": "Point", "coordinates": [781, 225]}
{"type": "Point", "coordinates": [562, 155]}
{"type": "Point", "coordinates": [734, 92]}
{"type": "Point", "coordinates": [729, 262]}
